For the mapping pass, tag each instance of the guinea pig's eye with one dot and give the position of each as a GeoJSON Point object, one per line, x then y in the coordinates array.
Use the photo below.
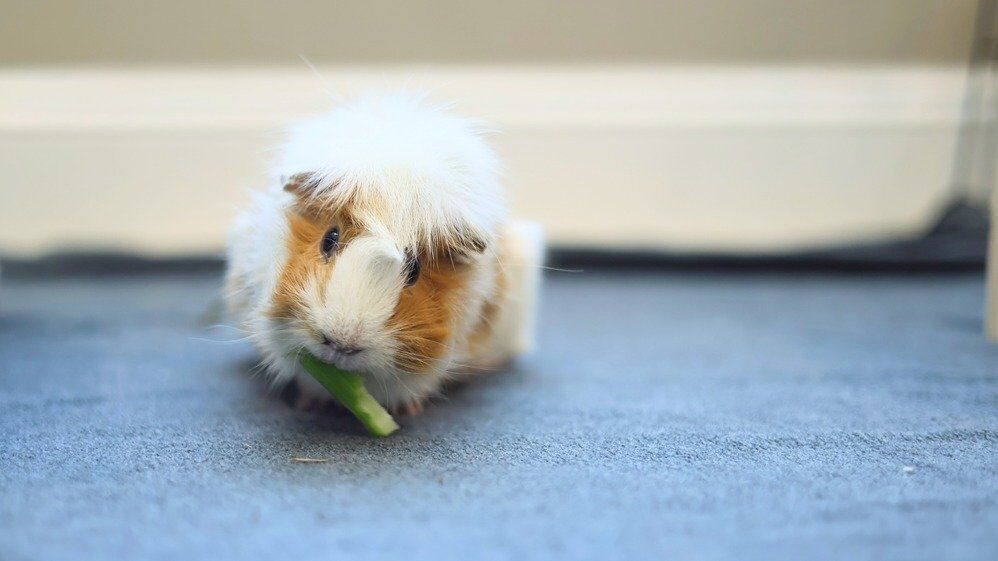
{"type": "Point", "coordinates": [411, 270]}
{"type": "Point", "coordinates": [330, 241]}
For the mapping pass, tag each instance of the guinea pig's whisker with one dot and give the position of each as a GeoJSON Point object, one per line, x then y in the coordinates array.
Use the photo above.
{"type": "Point", "coordinates": [225, 326]}
{"type": "Point", "coordinates": [259, 368]}
{"type": "Point", "coordinates": [237, 340]}
{"type": "Point", "coordinates": [543, 267]}
{"type": "Point", "coordinates": [417, 357]}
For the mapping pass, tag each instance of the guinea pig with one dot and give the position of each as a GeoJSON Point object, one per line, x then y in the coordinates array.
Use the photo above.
{"type": "Point", "coordinates": [382, 245]}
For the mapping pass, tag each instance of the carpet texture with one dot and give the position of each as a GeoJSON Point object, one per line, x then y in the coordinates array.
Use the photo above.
{"type": "Point", "coordinates": [681, 415]}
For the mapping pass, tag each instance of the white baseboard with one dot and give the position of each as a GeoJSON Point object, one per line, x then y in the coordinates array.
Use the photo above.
{"type": "Point", "coordinates": [687, 158]}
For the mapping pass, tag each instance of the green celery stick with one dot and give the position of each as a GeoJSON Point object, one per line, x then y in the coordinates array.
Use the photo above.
{"type": "Point", "coordinates": [348, 388]}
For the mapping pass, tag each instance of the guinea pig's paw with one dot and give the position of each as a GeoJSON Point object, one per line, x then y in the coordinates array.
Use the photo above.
{"type": "Point", "coordinates": [411, 408]}
{"type": "Point", "coordinates": [311, 402]}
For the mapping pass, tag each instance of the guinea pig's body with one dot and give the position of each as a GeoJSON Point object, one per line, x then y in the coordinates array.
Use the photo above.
{"type": "Point", "coordinates": [383, 246]}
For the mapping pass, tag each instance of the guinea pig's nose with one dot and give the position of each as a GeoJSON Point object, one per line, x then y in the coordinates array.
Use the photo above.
{"type": "Point", "coordinates": [340, 347]}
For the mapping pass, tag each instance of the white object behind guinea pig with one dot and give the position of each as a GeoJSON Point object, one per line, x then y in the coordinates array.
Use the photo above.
{"type": "Point", "coordinates": [400, 182]}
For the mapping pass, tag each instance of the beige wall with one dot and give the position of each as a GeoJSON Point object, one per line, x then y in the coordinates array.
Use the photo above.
{"type": "Point", "coordinates": [509, 31]}
{"type": "Point", "coordinates": [737, 125]}
{"type": "Point", "coordinates": [657, 157]}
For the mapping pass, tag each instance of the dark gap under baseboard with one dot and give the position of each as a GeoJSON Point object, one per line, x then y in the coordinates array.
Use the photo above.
{"type": "Point", "coordinates": [867, 260]}
{"type": "Point", "coordinates": [957, 242]}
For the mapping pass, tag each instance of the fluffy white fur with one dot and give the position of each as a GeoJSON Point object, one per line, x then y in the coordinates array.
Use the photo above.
{"type": "Point", "coordinates": [437, 175]}
{"type": "Point", "coordinates": [414, 175]}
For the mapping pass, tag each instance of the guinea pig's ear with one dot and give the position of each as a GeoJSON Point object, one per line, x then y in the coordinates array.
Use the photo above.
{"type": "Point", "coordinates": [473, 243]}
{"type": "Point", "coordinates": [299, 184]}
{"type": "Point", "coordinates": [304, 186]}
{"type": "Point", "coordinates": [461, 249]}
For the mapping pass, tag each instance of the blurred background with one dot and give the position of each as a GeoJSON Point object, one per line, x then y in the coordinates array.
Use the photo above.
{"type": "Point", "coordinates": [683, 128]}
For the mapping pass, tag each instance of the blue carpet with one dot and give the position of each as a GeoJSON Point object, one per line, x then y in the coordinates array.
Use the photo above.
{"type": "Point", "coordinates": [681, 416]}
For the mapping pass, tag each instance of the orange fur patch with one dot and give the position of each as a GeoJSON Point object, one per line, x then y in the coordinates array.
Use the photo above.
{"type": "Point", "coordinates": [424, 315]}
{"type": "Point", "coordinates": [306, 266]}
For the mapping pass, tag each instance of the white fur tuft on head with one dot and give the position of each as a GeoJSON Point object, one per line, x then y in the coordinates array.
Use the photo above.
{"type": "Point", "coordinates": [419, 170]}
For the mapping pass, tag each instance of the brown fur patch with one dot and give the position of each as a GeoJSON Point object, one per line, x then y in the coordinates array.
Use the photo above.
{"type": "Point", "coordinates": [424, 315]}
{"type": "Point", "coordinates": [306, 266]}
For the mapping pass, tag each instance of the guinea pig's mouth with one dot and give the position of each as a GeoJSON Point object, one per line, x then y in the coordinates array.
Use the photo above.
{"type": "Point", "coordinates": [352, 361]}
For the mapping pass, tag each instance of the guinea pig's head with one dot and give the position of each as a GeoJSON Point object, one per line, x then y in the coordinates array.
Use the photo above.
{"type": "Point", "coordinates": [391, 204]}
{"type": "Point", "coordinates": [361, 289]}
